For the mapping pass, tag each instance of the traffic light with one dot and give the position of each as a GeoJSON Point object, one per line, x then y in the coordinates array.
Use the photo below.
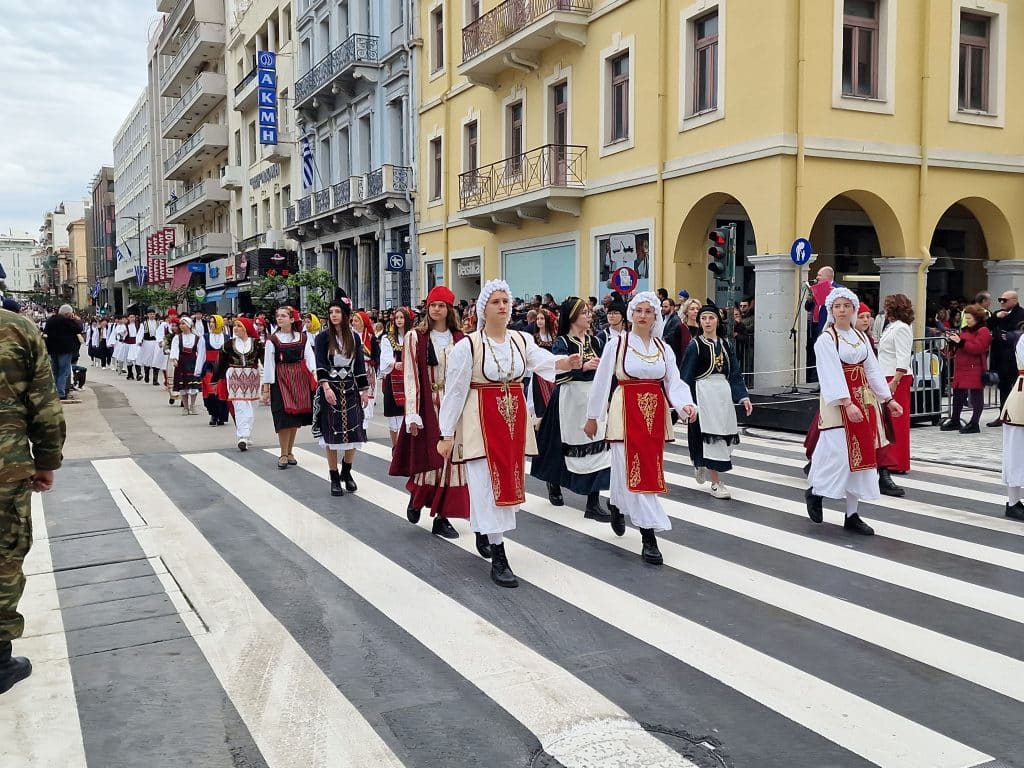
{"type": "Point", "coordinates": [719, 251]}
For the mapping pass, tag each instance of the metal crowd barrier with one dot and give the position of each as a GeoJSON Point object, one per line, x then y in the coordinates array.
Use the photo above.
{"type": "Point", "coordinates": [932, 391]}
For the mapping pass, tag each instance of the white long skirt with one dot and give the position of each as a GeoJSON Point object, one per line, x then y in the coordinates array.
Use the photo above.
{"type": "Point", "coordinates": [484, 515]}
{"type": "Point", "coordinates": [644, 509]}
{"type": "Point", "coordinates": [1013, 455]}
{"type": "Point", "coordinates": [150, 355]}
{"type": "Point", "coordinates": [830, 470]}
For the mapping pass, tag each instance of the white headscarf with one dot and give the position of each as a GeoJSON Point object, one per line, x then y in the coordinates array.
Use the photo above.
{"type": "Point", "coordinates": [647, 297]}
{"type": "Point", "coordinates": [485, 294]}
{"type": "Point", "coordinates": [839, 292]}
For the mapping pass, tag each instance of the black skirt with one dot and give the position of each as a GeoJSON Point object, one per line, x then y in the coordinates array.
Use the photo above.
{"type": "Point", "coordinates": [283, 419]}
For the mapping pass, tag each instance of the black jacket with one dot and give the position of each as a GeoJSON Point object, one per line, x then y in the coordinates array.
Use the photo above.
{"type": "Point", "coordinates": [1003, 355]}
{"type": "Point", "coordinates": [62, 335]}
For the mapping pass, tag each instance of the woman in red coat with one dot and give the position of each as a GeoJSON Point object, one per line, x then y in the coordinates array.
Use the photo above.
{"type": "Point", "coordinates": [971, 345]}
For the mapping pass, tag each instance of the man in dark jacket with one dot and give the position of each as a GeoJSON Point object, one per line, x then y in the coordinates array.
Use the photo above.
{"type": "Point", "coordinates": [63, 338]}
{"type": "Point", "coordinates": [1003, 357]}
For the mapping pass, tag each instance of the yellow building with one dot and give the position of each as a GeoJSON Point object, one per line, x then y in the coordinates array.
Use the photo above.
{"type": "Point", "coordinates": [560, 140]}
{"type": "Point", "coordinates": [75, 265]}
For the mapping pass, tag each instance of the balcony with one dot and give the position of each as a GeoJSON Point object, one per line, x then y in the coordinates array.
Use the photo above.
{"type": "Point", "coordinates": [202, 44]}
{"type": "Point", "coordinates": [388, 186]}
{"type": "Point", "coordinates": [195, 104]}
{"type": "Point", "coordinates": [531, 186]}
{"type": "Point", "coordinates": [512, 35]}
{"type": "Point", "coordinates": [245, 93]}
{"type": "Point", "coordinates": [276, 153]}
{"type": "Point", "coordinates": [232, 177]}
{"type": "Point", "coordinates": [201, 147]}
{"type": "Point", "coordinates": [333, 208]}
{"type": "Point", "coordinates": [210, 244]}
{"type": "Point", "coordinates": [166, 6]}
{"type": "Point", "coordinates": [196, 202]}
{"type": "Point", "coordinates": [181, 16]}
{"type": "Point", "coordinates": [339, 72]}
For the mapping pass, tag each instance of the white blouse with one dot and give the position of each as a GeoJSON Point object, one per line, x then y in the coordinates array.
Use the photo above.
{"type": "Point", "coordinates": [270, 356]}
{"type": "Point", "coordinates": [197, 343]}
{"type": "Point", "coordinates": [852, 349]}
{"type": "Point", "coordinates": [896, 348]}
{"type": "Point", "coordinates": [663, 369]}
{"type": "Point", "coordinates": [387, 353]}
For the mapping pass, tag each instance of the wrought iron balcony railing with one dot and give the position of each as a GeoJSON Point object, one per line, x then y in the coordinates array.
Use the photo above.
{"type": "Point", "coordinates": [512, 16]}
{"type": "Point", "coordinates": [357, 48]}
{"type": "Point", "coordinates": [305, 208]}
{"type": "Point", "coordinates": [552, 165]}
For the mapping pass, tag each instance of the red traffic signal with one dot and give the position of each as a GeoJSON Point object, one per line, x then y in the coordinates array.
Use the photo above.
{"type": "Point", "coordinates": [719, 250]}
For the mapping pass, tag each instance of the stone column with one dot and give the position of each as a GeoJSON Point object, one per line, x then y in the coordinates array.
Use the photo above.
{"type": "Point", "coordinates": [1004, 275]}
{"type": "Point", "coordinates": [899, 274]}
{"type": "Point", "coordinates": [777, 293]}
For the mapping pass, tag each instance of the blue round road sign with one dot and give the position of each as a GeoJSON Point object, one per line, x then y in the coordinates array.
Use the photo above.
{"type": "Point", "coordinates": [800, 253]}
{"type": "Point", "coordinates": [624, 280]}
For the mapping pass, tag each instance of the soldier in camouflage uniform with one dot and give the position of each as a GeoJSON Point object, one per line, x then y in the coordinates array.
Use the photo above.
{"type": "Point", "coordinates": [31, 438]}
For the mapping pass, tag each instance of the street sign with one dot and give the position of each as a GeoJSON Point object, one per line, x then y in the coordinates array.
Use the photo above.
{"type": "Point", "coordinates": [194, 267]}
{"type": "Point", "coordinates": [200, 294]}
{"type": "Point", "coordinates": [624, 280]}
{"type": "Point", "coordinates": [266, 93]}
{"type": "Point", "coordinates": [396, 261]}
{"type": "Point", "coordinates": [800, 253]}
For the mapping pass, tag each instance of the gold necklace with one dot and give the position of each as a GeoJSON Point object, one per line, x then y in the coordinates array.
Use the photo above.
{"type": "Point", "coordinates": [849, 343]}
{"type": "Point", "coordinates": [503, 375]}
{"type": "Point", "coordinates": [648, 358]}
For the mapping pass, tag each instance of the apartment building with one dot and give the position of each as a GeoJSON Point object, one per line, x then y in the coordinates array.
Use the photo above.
{"type": "Point", "coordinates": [354, 104]}
{"type": "Point", "coordinates": [56, 260]}
{"type": "Point", "coordinates": [133, 197]}
{"type": "Point", "coordinates": [562, 140]}
{"type": "Point", "coordinates": [101, 237]}
{"type": "Point", "coordinates": [18, 255]}
{"type": "Point", "coordinates": [75, 267]}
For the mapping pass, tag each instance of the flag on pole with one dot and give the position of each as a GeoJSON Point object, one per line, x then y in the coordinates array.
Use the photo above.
{"type": "Point", "coordinates": [140, 275]}
{"type": "Point", "coordinates": [308, 169]}
{"type": "Point", "coordinates": [120, 255]}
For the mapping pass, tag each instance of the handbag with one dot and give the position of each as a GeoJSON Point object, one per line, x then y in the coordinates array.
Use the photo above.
{"type": "Point", "coordinates": [397, 379]}
{"type": "Point", "coordinates": [990, 379]}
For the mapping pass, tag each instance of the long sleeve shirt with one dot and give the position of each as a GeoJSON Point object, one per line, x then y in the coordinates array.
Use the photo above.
{"type": "Point", "coordinates": [663, 369]}
{"type": "Point", "coordinates": [191, 340]}
{"type": "Point", "coordinates": [830, 361]}
{"type": "Point", "coordinates": [896, 348]}
{"type": "Point", "coordinates": [270, 356]}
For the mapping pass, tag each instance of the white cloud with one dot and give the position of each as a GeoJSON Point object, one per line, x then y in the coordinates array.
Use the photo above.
{"type": "Point", "coordinates": [72, 72]}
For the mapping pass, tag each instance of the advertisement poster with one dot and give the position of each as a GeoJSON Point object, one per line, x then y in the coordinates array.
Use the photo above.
{"type": "Point", "coordinates": [628, 249]}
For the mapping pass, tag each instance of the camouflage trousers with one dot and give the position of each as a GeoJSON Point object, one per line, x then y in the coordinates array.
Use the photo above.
{"type": "Point", "coordinates": [15, 541]}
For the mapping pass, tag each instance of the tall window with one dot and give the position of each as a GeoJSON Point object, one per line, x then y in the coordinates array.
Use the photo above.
{"type": "Point", "coordinates": [619, 67]}
{"type": "Point", "coordinates": [514, 136]}
{"type": "Point", "coordinates": [974, 61]}
{"type": "Point", "coordinates": [472, 11]}
{"type": "Point", "coordinates": [705, 63]}
{"type": "Point", "coordinates": [435, 169]}
{"type": "Point", "coordinates": [472, 144]}
{"type": "Point", "coordinates": [437, 39]}
{"type": "Point", "coordinates": [860, 48]}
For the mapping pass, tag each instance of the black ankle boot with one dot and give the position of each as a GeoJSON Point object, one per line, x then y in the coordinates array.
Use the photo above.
{"type": "Point", "coordinates": [855, 524]}
{"type": "Point", "coordinates": [886, 484]}
{"type": "Point", "coordinates": [346, 475]}
{"type": "Point", "coordinates": [555, 495]}
{"type": "Point", "coordinates": [593, 510]}
{"type": "Point", "coordinates": [814, 510]}
{"type": "Point", "coordinates": [501, 574]}
{"type": "Point", "coordinates": [483, 545]}
{"type": "Point", "coordinates": [147, 374]}
{"type": "Point", "coordinates": [443, 528]}
{"type": "Point", "coordinates": [131, 376]}
{"type": "Point", "coordinates": [650, 552]}
{"type": "Point", "coordinates": [13, 669]}
{"type": "Point", "coordinates": [412, 514]}
{"type": "Point", "coordinates": [138, 373]}
{"type": "Point", "coordinates": [618, 520]}
{"type": "Point", "coordinates": [336, 489]}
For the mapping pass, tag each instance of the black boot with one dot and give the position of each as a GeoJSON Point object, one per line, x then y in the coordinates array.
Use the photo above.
{"type": "Point", "coordinates": [855, 524]}
{"type": "Point", "coordinates": [336, 489]}
{"type": "Point", "coordinates": [555, 495]}
{"type": "Point", "coordinates": [951, 425]}
{"type": "Point", "coordinates": [814, 510]}
{"type": "Point", "coordinates": [501, 574]}
{"type": "Point", "coordinates": [1015, 511]}
{"type": "Point", "coordinates": [593, 509]}
{"type": "Point", "coordinates": [156, 377]}
{"type": "Point", "coordinates": [13, 669]}
{"type": "Point", "coordinates": [886, 484]}
{"type": "Point", "coordinates": [483, 545]}
{"type": "Point", "coordinates": [412, 514]}
{"type": "Point", "coordinates": [443, 528]}
{"type": "Point", "coordinates": [138, 373]}
{"type": "Point", "coordinates": [971, 428]}
{"type": "Point", "coordinates": [131, 377]}
{"type": "Point", "coordinates": [618, 520]}
{"type": "Point", "coordinates": [346, 475]}
{"type": "Point", "coordinates": [650, 552]}
{"type": "Point", "coordinates": [147, 374]}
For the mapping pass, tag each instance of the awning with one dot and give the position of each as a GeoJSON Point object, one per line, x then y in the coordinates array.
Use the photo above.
{"type": "Point", "coordinates": [181, 277]}
{"type": "Point", "coordinates": [230, 293]}
{"type": "Point", "coordinates": [213, 296]}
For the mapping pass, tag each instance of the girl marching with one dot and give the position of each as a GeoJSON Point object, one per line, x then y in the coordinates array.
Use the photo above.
{"type": "Point", "coordinates": [239, 367]}
{"type": "Point", "coordinates": [363, 327]}
{"type": "Point", "coordinates": [646, 386]}
{"type": "Point", "coordinates": [187, 356]}
{"type": "Point", "coordinates": [844, 463]}
{"type": "Point", "coordinates": [392, 354]}
{"type": "Point", "coordinates": [289, 367]}
{"type": "Point", "coordinates": [215, 395]}
{"type": "Point", "coordinates": [434, 482]}
{"type": "Point", "coordinates": [342, 393]}
{"type": "Point", "coordinates": [483, 418]}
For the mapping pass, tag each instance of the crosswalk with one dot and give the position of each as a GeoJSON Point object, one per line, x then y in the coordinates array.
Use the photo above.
{"type": "Point", "coordinates": [207, 609]}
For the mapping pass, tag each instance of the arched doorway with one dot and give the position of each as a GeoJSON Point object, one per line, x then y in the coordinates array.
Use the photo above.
{"type": "Point", "coordinates": [691, 250]}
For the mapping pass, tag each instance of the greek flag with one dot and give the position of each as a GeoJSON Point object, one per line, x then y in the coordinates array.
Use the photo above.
{"type": "Point", "coordinates": [120, 255]}
{"type": "Point", "coordinates": [140, 275]}
{"type": "Point", "coordinates": [307, 163]}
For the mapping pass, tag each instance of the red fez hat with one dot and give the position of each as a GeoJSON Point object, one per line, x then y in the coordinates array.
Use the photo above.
{"type": "Point", "coordinates": [441, 293]}
{"type": "Point", "coordinates": [864, 308]}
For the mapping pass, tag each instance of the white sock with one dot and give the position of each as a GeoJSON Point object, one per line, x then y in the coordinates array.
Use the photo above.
{"type": "Point", "coordinates": [851, 505]}
{"type": "Point", "coordinates": [496, 538]}
{"type": "Point", "coordinates": [1014, 493]}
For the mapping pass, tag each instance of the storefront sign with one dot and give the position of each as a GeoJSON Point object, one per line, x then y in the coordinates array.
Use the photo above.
{"type": "Point", "coordinates": [468, 268]}
{"type": "Point", "coordinates": [267, 174]}
{"type": "Point", "coordinates": [266, 95]}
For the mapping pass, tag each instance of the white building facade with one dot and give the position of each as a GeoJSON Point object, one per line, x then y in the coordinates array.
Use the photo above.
{"type": "Point", "coordinates": [18, 256]}
{"type": "Point", "coordinates": [133, 196]}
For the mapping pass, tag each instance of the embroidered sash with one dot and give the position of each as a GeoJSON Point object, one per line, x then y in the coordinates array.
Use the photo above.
{"type": "Point", "coordinates": [503, 418]}
{"type": "Point", "coordinates": [862, 438]}
{"type": "Point", "coordinates": [644, 405]}
{"type": "Point", "coordinates": [293, 382]}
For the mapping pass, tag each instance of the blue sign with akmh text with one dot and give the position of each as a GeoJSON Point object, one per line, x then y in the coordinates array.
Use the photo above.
{"type": "Point", "coordinates": [266, 96]}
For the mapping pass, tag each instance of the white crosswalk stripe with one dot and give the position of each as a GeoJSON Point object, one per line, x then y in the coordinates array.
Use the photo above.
{"type": "Point", "coordinates": [300, 713]}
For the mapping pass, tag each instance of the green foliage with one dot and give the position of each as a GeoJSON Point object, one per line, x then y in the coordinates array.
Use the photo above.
{"type": "Point", "coordinates": [319, 284]}
{"type": "Point", "coordinates": [266, 292]}
{"type": "Point", "coordinates": [156, 296]}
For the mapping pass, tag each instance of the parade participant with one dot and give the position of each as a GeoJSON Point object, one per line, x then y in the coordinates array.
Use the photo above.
{"type": "Point", "coordinates": [312, 323]}
{"type": "Point", "coordinates": [568, 457]}
{"type": "Point", "coordinates": [615, 312]}
{"type": "Point", "coordinates": [151, 356]}
{"type": "Point", "coordinates": [92, 338]}
{"type": "Point", "coordinates": [113, 329]}
{"type": "Point", "coordinates": [215, 396]}
{"type": "Point", "coordinates": [187, 355]}
{"type": "Point", "coordinates": [483, 419]}
{"type": "Point", "coordinates": [1012, 417]}
{"type": "Point", "coordinates": [130, 347]}
{"type": "Point", "coordinates": [646, 382]}
{"type": "Point", "coordinates": [392, 346]}
{"type": "Point", "coordinates": [363, 327]}
{"type": "Point", "coordinates": [434, 482]}
{"type": "Point", "coordinates": [712, 371]}
{"type": "Point", "coordinates": [844, 462]}
{"type": "Point", "coordinates": [239, 367]}
{"type": "Point", "coordinates": [342, 393]}
{"type": "Point", "coordinates": [289, 368]}
{"type": "Point", "coordinates": [172, 330]}
{"type": "Point", "coordinates": [895, 358]}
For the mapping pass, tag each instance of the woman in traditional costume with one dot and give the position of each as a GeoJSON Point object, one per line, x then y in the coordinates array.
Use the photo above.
{"type": "Point", "coordinates": [130, 346]}
{"type": "Point", "coordinates": [215, 395]}
{"type": "Point", "coordinates": [844, 463]}
{"type": "Point", "coordinates": [342, 394]}
{"type": "Point", "coordinates": [568, 458]}
{"type": "Point", "coordinates": [646, 382]}
{"type": "Point", "coordinates": [434, 482]}
{"type": "Point", "coordinates": [1012, 417]}
{"type": "Point", "coordinates": [239, 367]}
{"type": "Point", "coordinates": [392, 370]}
{"type": "Point", "coordinates": [895, 357]}
{"type": "Point", "coordinates": [483, 418]}
{"type": "Point", "coordinates": [363, 326]}
{"type": "Point", "coordinates": [187, 355]}
{"type": "Point", "coordinates": [289, 368]}
{"type": "Point", "coordinates": [712, 371]}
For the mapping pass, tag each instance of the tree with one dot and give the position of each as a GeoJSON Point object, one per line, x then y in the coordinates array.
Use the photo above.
{"type": "Point", "coordinates": [320, 286]}
{"type": "Point", "coordinates": [270, 292]}
{"type": "Point", "coordinates": [156, 296]}
{"type": "Point", "coordinates": [279, 288]}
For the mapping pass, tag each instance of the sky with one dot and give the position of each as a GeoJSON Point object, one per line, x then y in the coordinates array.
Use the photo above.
{"type": "Point", "coordinates": [72, 70]}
